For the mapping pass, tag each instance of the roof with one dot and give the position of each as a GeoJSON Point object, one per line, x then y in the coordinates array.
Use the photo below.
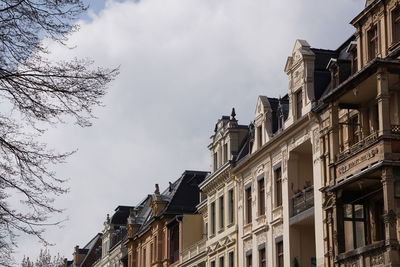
{"type": "Point", "coordinates": [182, 197]}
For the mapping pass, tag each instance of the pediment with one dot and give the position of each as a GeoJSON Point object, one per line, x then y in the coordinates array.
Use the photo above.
{"type": "Point", "coordinates": [262, 105]}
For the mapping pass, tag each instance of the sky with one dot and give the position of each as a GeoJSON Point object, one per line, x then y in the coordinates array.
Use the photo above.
{"type": "Point", "coordinates": [183, 64]}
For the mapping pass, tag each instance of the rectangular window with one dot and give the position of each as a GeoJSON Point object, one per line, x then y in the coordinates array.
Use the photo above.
{"type": "Point", "coordinates": [262, 258]}
{"type": "Point", "coordinates": [354, 226]}
{"type": "Point", "coordinates": [212, 264]}
{"type": "Point", "coordinates": [151, 252]}
{"type": "Point", "coordinates": [261, 197]}
{"type": "Point", "coordinates": [231, 259]}
{"type": "Point", "coordinates": [299, 103]}
{"type": "Point", "coordinates": [221, 262]}
{"type": "Point", "coordinates": [231, 206]}
{"type": "Point", "coordinates": [248, 205]}
{"type": "Point", "coordinates": [212, 218]}
{"type": "Point", "coordinates": [225, 153]}
{"type": "Point", "coordinates": [396, 25]}
{"type": "Point", "coordinates": [260, 136]}
{"type": "Point", "coordinates": [354, 132]}
{"type": "Point", "coordinates": [279, 254]}
{"type": "Point", "coordinates": [249, 260]}
{"type": "Point", "coordinates": [144, 257]}
{"type": "Point", "coordinates": [215, 161]}
{"type": "Point", "coordinates": [278, 187]}
{"type": "Point", "coordinates": [174, 243]}
{"type": "Point", "coordinates": [372, 36]}
{"type": "Point", "coordinates": [221, 212]}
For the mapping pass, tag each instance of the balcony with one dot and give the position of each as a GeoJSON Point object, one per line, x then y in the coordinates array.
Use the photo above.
{"type": "Point", "coordinates": [194, 251]}
{"type": "Point", "coordinates": [303, 200]}
{"type": "Point", "coordinates": [360, 145]}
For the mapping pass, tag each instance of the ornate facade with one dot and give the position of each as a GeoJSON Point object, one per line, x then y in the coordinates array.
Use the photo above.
{"type": "Point", "coordinates": [314, 180]}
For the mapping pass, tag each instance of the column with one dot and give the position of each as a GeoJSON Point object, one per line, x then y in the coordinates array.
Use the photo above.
{"type": "Point", "coordinates": [383, 102]}
{"type": "Point", "coordinates": [392, 255]}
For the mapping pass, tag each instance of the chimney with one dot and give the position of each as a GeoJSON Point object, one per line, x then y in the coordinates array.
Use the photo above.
{"type": "Point", "coordinates": [157, 204]}
{"type": "Point", "coordinates": [78, 256]}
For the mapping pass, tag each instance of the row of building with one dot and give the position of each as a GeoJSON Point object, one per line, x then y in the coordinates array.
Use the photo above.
{"type": "Point", "coordinates": [314, 180]}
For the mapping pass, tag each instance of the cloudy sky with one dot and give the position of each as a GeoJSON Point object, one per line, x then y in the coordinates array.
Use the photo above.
{"type": "Point", "coordinates": [184, 63]}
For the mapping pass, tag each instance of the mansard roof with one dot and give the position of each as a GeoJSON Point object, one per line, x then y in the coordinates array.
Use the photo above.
{"type": "Point", "coordinates": [182, 197]}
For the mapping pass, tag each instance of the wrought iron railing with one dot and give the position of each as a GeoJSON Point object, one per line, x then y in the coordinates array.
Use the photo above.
{"type": "Point", "coordinates": [303, 200]}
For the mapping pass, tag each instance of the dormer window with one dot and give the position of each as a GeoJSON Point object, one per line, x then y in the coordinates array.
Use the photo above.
{"type": "Point", "coordinates": [299, 103]}
{"type": "Point", "coordinates": [225, 153]}
{"type": "Point", "coordinates": [260, 136]}
{"type": "Point", "coordinates": [396, 25]}
{"type": "Point", "coordinates": [372, 36]}
{"type": "Point", "coordinates": [335, 77]}
{"type": "Point", "coordinates": [215, 161]}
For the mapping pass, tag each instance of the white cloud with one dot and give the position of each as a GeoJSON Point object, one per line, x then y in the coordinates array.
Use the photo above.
{"type": "Point", "coordinates": [184, 63]}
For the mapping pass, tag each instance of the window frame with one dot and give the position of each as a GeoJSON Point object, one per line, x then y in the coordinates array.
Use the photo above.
{"type": "Point", "coordinates": [373, 42]}
{"type": "Point", "coordinates": [248, 199]}
{"type": "Point", "coordinates": [278, 187]}
{"type": "Point", "coordinates": [261, 196]}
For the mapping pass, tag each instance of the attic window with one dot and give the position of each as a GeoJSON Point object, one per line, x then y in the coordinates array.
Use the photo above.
{"type": "Point", "coordinates": [260, 136]}
{"type": "Point", "coordinates": [299, 103]}
{"type": "Point", "coordinates": [396, 24]}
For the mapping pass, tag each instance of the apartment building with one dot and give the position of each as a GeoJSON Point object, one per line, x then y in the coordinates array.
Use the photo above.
{"type": "Point", "coordinates": [360, 136]}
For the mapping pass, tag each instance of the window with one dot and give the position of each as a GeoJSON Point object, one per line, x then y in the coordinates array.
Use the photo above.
{"type": "Point", "coordinates": [230, 206]}
{"type": "Point", "coordinates": [260, 136]}
{"type": "Point", "coordinates": [354, 62]}
{"type": "Point", "coordinates": [249, 260]}
{"type": "Point", "coordinates": [144, 257]}
{"type": "Point", "coordinates": [279, 254]}
{"type": "Point", "coordinates": [261, 197]}
{"type": "Point", "coordinates": [212, 218]}
{"type": "Point", "coordinates": [221, 262]}
{"type": "Point", "coordinates": [215, 161]}
{"type": "Point", "coordinates": [278, 187]}
{"type": "Point", "coordinates": [372, 36]}
{"type": "Point", "coordinates": [174, 243]}
{"type": "Point", "coordinates": [212, 264]}
{"type": "Point", "coordinates": [231, 260]}
{"type": "Point", "coordinates": [248, 204]}
{"type": "Point", "coordinates": [396, 25]}
{"type": "Point", "coordinates": [221, 212]}
{"type": "Point", "coordinates": [262, 258]}
{"type": "Point", "coordinates": [335, 77]}
{"type": "Point", "coordinates": [299, 103]}
{"type": "Point", "coordinates": [354, 226]}
{"type": "Point", "coordinates": [151, 253]}
{"type": "Point", "coordinates": [354, 130]}
{"type": "Point", "coordinates": [225, 153]}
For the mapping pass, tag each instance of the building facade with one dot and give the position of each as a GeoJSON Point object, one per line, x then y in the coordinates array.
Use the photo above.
{"type": "Point", "coordinates": [313, 180]}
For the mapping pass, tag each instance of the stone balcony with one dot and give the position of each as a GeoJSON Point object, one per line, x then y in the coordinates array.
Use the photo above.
{"type": "Point", "coordinates": [194, 250]}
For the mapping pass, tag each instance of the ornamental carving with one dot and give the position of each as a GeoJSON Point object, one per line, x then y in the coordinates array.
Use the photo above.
{"type": "Point", "coordinates": [377, 259]}
{"type": "Point", "coordinates": [261, 238]}
{"type": "Point", "coordinates": [247, 245]}
{"type": "Point", "coordinates": [353, 263]}
{"type": "Point", "coordinates": [278, 230]}
{"type": "Point", "coordinates": [390, 218]}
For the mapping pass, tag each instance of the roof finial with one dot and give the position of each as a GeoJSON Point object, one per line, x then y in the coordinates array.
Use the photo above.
{"type": "Point", "coordinates": [157, 191]}
{"type": "Point", "coordinates": [233, 114]}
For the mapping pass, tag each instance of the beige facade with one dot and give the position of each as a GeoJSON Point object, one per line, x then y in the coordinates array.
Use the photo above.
{"type": "Point", "coordinates": [278, 222]}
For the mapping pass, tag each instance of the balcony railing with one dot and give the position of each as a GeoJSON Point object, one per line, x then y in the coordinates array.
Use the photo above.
{"type": "Point", "coordinates": [360, 145]}
{"type": "Point", "coordinates": [194, 250]}
{"type": "Point", "coordinates": [303, 200]}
